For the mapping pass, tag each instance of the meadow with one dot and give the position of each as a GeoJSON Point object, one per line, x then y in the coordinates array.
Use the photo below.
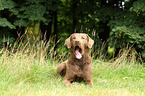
{"type": "Point", "coordinates": [25, 72]}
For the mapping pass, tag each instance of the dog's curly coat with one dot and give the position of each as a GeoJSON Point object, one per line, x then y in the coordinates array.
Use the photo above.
{"type": "Point", "coordinates": [78, 67]}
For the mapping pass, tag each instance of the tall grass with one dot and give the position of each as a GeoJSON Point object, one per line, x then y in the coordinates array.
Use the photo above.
{"type": "Point", "coordinates": [27, 69]}
{"type": "Point", "coordinates": [24, 64]}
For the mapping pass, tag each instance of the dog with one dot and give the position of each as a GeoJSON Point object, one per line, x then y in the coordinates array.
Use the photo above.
{"type": "Point", "coordinates": [78, 66]}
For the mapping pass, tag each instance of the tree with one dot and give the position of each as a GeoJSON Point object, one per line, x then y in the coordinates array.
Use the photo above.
{"type": "Point", "coordinates": [114, 23]}
{"type": "Point", "coordinates": [28, 15]}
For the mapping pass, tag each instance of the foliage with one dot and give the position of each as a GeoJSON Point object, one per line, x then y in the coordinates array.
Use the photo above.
{"type": "Point", "coordinates": [6, 4]}
{"type": "Point", "coordinates": [29, 11]}
{"type": "Point", "coordinates": [125, 26]}
{"type": "Point", "coordinates": [126, 29]}
{"type": "Point", "coordinates": [5, 23]}
{"type": "Point", "coordinates": [33, 10]}
{"type": "Point", "coordinates": [116, 23]}
{"type": "Point", "coordinates": [139, 7]}
{"type": "Point", "coordinates": [22, 14]}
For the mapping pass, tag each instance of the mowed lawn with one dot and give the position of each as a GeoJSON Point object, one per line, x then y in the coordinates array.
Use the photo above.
{"type": "Point", "coordinates": [22, 75]}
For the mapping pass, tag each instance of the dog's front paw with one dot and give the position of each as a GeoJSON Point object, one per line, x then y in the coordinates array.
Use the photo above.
{"type": "Point", "coordinates": [67, 83]}
{"type": "Point", "coordinates": [90, 83]}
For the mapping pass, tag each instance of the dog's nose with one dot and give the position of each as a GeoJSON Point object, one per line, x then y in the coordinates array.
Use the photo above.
{"type": "Point", "coordinates": [76, 41]}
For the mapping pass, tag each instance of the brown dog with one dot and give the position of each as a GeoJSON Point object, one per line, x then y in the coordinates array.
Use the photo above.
{"type": "Point", "coordinates": [78, 67]}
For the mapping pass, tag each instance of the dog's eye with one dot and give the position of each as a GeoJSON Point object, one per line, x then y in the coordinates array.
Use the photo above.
{"type": "Point", "coordinates": [83, 37]}
{"type": "Point", "coordinates": [74, 38]}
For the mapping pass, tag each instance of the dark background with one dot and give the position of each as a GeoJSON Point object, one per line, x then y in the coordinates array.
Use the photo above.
{"type": "Point", "coordinates": [113, 24]}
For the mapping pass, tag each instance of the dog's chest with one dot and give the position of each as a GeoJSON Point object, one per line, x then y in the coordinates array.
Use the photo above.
{"type": "Point", "coordinates": [78, 71]}
{"type": "Point", "coordinates": [77, 66]}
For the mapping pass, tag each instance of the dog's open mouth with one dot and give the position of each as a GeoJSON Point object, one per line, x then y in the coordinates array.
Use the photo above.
{"type": "Point", "coordinates": [78, 52]}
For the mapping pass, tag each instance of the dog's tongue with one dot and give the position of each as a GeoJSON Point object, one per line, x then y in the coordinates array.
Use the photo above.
{"type": "Point", "coordinates": [78, 54]}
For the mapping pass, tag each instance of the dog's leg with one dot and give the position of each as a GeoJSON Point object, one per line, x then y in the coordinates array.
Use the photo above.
{"type": "Point", "coordinates": [89, 82]}
{"type": "Point", "coordinates": [67, 82]}
{"type": "Point", "coordinates": [68, 77]}
{"type": "Point", "coordinates": [87, 71]}
{"type": "Point", "coordinates": [61, 69]}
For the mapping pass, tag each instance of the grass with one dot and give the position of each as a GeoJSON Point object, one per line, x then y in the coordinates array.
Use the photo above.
{"type": "Point", "coordinates": [24, 75]}
{"type": "Point", "coordinates": [25, 71]}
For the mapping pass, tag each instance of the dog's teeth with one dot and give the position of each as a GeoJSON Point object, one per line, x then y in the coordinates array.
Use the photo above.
{"type": "Point", "coordinates": [78, 54]}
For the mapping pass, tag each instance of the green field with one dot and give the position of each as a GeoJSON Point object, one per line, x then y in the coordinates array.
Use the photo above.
{"type": "Point", "coordinates": [24, 75]}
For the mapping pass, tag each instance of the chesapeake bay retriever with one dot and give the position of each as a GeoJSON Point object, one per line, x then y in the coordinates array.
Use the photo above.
{"type": "Point", "coordinates": [78, 67]}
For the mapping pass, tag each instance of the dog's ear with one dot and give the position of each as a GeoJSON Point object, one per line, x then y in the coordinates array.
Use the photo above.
{"type": "Point", "coordinates": [90, 42]}
{"type": "Point", "coordinates": [68, 43]}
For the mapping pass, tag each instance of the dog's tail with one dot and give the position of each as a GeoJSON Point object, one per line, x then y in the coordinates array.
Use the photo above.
{"type": "Point", "coordinates": [61, 69]}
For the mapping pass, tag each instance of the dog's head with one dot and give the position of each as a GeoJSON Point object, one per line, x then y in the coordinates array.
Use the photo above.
{"type": "Point", "coordinates": [79, 42]}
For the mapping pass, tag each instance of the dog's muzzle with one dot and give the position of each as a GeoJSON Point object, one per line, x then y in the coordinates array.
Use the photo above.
{"type": "Point", "coordinates": [78, 52]}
